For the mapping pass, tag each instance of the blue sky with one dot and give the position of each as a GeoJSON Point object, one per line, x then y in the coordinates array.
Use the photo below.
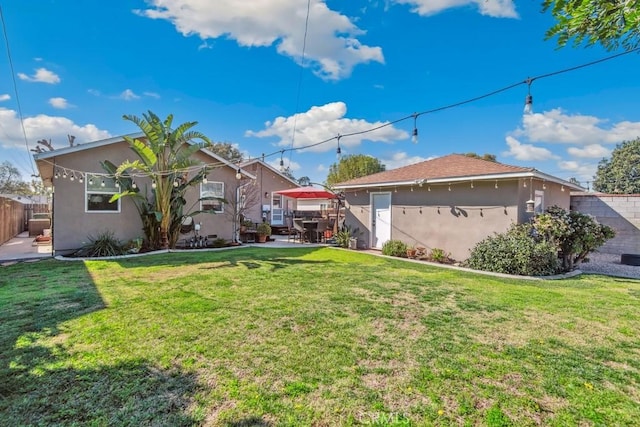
{"type": "Point", "coordinates": [237, 68]}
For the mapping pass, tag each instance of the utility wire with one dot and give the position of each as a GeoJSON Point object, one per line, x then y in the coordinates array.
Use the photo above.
{"type": "Point", "coordinates": [15, 89]}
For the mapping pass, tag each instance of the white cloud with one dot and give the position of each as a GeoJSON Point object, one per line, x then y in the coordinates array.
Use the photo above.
{"type": "Point", "coordinates": [42, 75]}
{"type": "Point", "coordinates": [321, 168]}
{"type": "Point", "coordinates": [42, 126]}
{"type": "Point", "coordinates": [5, 97]}
{"type": "Point", "coordinates": [583, 172]}
{"type": "Point", "coordinates": [332, 45]}
{"type": "Point", "coordinates": [59, 103]}
{"type": "Point", "coordinates": [400, 159]}
{"type": "Point", "coordinates": [324, 123]}
{"type": "Point", "coordinates": [128, 95]}
{"type": "Point", "coordinates": [557, 127]}
{"type": "Point", "coordinates": [275, 163]}
{"type": "Point", "coordinates": [526, 152]}
{"type": "Point", "coordinates": [494, 8]}
{"type": "Point", "coordinates": [94, 92]}
{"type": "Point", "coordinates": [592, 151]}
{"type": "Point", "coordinates": [151, 95]}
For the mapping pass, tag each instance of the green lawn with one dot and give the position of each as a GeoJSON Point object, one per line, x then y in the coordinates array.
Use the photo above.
{"type": "Point", "coordinates": [308, 336]}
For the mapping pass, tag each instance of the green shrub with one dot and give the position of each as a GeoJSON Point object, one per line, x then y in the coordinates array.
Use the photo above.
{"type": "Point", "coordinates": [395, 248]}
{"type": "Point", "coordinates": [515, 252]}
{"type": "Point", "coordinates": [105, 244]}
{"type": "Point", "coordinates": [575, 235]}
{"type": "Point", "coordinates": [438, 255]}
{"type": "Point", "coordinates": [264, 228]}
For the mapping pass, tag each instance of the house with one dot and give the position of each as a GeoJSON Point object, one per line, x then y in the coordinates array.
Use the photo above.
{"type": "Point", "coordinates": [262, 201]}
{"type": "Point", "coordinates": [82, 189]}
{"type": "Point", "coordinates": [450, 202]}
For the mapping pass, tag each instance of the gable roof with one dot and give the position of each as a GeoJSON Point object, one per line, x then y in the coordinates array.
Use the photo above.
{"type": "Point", "coordinates": [450, 168]}
{"type": "Point", "coordinates": [250, 162]}
{"type": "Point", "coordinates": [41, 158]}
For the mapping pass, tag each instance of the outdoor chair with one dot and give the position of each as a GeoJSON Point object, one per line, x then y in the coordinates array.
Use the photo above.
{"type": "Point", "coordinates": [323, 225]}
{"type": "Point", "coordinates": [300, 231]}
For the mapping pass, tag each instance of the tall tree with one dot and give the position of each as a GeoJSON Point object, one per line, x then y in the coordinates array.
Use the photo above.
{"type": "Point", "coordinates": [620, 174]}
{"type": "Point", "coordinates": [485, 156]}
{"type": "Point", "coordinates": [612, 23]}
{"type": "Point", "coordinates": [353, 166]}
{"type": "Point", "coordinates": [164, 154]}
{"type": "Point", "coordinates": [11, 180]}
{"type": "Point", "coordinates": [227, 150]}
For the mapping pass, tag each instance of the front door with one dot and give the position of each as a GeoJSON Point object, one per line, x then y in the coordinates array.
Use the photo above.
{"type": "Point", "coordinates": [381, 219]}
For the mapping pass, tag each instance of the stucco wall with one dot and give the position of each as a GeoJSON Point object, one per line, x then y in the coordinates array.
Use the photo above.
{"type": "Point", "coordinates": [266, 182]}
{"type": "Point", "coordinates": [621, 212]}
{"type": "Point", "coordinates": [451, 220]}
{"type": "Point", "coordinates": [72, 225]}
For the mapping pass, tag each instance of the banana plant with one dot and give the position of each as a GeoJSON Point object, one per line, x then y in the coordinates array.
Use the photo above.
{"type": "Point", "coordinates": [164, 156]}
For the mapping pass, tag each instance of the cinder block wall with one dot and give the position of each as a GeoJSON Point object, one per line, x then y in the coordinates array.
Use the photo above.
{"type": "Point", "coordinates": [619, 211]}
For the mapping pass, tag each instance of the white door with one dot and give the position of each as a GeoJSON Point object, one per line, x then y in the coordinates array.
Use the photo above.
{"type": "Point", "coordinates": [277, 213]}
{"type": "Point", "coordinates": [381, 219]}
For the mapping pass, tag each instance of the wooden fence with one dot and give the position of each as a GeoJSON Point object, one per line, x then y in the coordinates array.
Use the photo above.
{"type": "Point", "coordinates": [14, 217]}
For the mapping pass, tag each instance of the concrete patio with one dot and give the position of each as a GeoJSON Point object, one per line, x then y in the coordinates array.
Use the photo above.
{"type": "Point", "coordinates": [23, 248]}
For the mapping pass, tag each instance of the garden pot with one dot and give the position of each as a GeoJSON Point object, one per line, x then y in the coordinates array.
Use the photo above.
{"type": "Point", "coordinates": [262, 238]}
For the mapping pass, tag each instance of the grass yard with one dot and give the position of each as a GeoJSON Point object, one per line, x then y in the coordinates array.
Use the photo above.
{"type": "Point", "coordinates": [310, 336]}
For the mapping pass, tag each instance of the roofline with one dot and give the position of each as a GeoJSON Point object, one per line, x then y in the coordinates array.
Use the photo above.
{"type": "Point", "coordinates": [85, 146]}
{"type": "Point", "coordinates": [108, 141]}
{"type": "Point", "coordinates": [262, 162]}
{"type": "Point", "coordinates": [510, 175]}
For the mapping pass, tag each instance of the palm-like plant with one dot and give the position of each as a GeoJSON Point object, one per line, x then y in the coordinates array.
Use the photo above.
{"type": "Point", "coordinates": [165, 154]}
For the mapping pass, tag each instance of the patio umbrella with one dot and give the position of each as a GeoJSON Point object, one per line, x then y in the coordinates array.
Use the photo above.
{"type": "Point", "coordinates": [307, 193]}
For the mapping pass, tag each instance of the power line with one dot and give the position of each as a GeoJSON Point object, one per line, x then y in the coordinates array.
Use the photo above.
{"type": "Point", "coordinates": [15, 90]}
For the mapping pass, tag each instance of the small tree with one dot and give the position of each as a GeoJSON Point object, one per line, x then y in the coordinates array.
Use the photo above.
{"type": "Point", "coordinates": [164, 155]}
{"type": "Point", "coordinates": [11, 180]}
{"type": "Point", "coordinates": [354, 166]}
{"type": "Point", "coordinates": [574, 234]}
{"type": "Point", "coordinates": [227, 151]}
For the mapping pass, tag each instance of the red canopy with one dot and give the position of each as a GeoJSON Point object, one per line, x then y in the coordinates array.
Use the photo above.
{"type": "Point", "coordinates": [307, 193]}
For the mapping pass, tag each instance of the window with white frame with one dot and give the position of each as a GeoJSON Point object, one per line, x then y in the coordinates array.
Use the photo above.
{"type": "Point", "coordinates": [215, 191]}
{"type": "Point", "coordinates": [98, 191]}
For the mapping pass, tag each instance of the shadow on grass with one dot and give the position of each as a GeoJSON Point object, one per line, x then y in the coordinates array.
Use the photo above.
{"type": "Point", "coordinates": [249, 422]}
{"type": "Point", "coordinates": [38, 383]}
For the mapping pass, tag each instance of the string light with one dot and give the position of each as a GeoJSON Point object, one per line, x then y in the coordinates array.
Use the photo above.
{"type": "Point", "coordinates": [102, 184]}
{"type": "Point", "coordinates": [154, 184]}
{"type": "Point", "coordinates": [72, 177]}
{"type": "Point", "coordinates": [80, 179]}
{"type": "Point", "coordinates": [471, 184]}
{"type": "Point", "coordinates": [175, 183]}
{"type": "Point", "coordinates": [239, 174]}
{"type": "Point", "coordinates": [338, 150]}
{"type": "Point", "coordinates": [415, 115]}
{"type": "Point", "coordinates": [449, 186]}
{"type": "Point", "coordinates": [496, 186]}
{"type": "Point", "coordinates": [134, 185]}
{"type": "Point", "coordinates": [528, 100]}
{"type": "Point", "coordinates": [414, 136]}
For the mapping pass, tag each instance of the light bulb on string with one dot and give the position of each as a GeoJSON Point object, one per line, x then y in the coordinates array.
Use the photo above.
{"type": "Point", "coordinates": [338, 150]}
{"type": "Point", "coordinates": [281, 161]}
{"type": "Point", "coordinates": [90, 181]}
{"type": "Point", "coordinates": [134, 185]}
{"type": "Point", "coordinates": [239, 174]}
{"type": "Point", "coordinates": [528, 100]}
{"type": "Point", "coordinates": [72, 177]}
{"type": "Point", "coordinates": [64, 173]}
{"type": "Point", "coordinates": [414, 135]}
{"type": "Point", "coordinates": [175, 183]}
{"type": "Point", "coordinates": [57, 175]}
{"type": "Point", "coordinates": [80, 179]}
{"type": "Point", "coordinates": [103, 184]}
{"type": "Point", "coordinates": [154, 184]}
{"type": "Point", "coordinates": [496, 186]}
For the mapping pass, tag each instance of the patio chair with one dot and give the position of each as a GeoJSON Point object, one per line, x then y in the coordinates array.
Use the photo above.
{"type": "Point", "coordinates": [299, 230]}
{"type": "Point", "coordinates": [323, 225]}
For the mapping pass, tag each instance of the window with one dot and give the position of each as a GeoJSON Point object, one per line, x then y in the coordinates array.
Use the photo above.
{"type": "Point", "coordinates": [98, 192]}
{"type": "Point", "coordinates": [212, 189]}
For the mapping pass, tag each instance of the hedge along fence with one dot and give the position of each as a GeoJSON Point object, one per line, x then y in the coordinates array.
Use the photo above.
{"type": "Point", "coordinates": [14, 216]}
